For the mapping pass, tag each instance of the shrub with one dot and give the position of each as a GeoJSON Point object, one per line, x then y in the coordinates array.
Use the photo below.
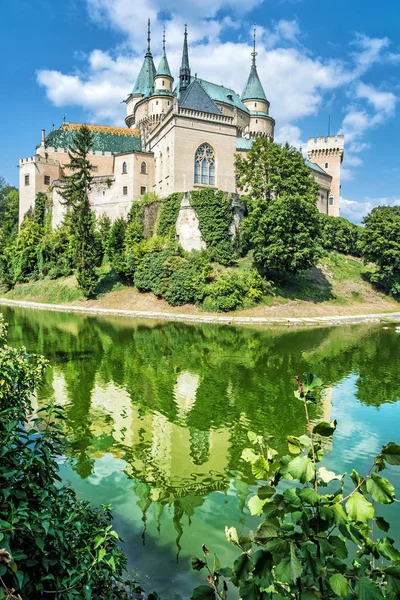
{"type": "Point", "coordinates": [337, 233]}
{"type": "Point", "coordinates": [56, 256]}
{"type": "Point", "coordinates": [187, 282]}
{"type": "Point", "coordinates": [26, 251]}
{"type": "Point", "coordinates": [234, 290]}
{"type": "Point", "coordinates": [52, 543]}
{"type": "Point", "coordinates": [152, 272]}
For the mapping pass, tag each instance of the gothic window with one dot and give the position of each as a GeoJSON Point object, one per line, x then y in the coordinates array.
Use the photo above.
{"type": "Point", "coordinates": [326, 165]}
{"type": "Point", "coordinates": [124, 168]}
{"type": "Point", "coordinates": [143, 168]}
{"type": "Point", "coordinates": [204, 165]}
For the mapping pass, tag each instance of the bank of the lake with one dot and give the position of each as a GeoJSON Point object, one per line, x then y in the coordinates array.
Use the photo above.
{"type": "Point", "coordinates": [157, 415]}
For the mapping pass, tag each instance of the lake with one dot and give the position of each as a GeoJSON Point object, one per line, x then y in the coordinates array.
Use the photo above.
{"type": "Point", "coordinates": [157, 416]}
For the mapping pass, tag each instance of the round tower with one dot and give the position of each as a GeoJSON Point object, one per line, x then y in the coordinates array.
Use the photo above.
{"type": "Point", "coordinates": [162, 96]}
{"type": "Point", "coordinates": [255, 100]}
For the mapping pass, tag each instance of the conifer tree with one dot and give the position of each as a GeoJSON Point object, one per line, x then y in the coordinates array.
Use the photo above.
{"type": "Point", "coordinates": [75, 194]}
{"type": "Point", "coordinates": [40, 208]}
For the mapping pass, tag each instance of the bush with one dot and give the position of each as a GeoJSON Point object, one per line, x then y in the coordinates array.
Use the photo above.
{"type": "Point", "coordinates": [26, 251]}
{"type": "Point", "coordinates": [187, 282]}
{"type": "Point", "coordinates": [232, 291]}
{"type": "Point", "coordinates": [153, 271]}
{"type": "Point", "coordinates": [52, 543]}
{"type": "Point", "coordinates": [339, 234]}
{"type": "Point", "coordinates": [56, 255]}
{"type": "Point", "coordinates": [380, 243]}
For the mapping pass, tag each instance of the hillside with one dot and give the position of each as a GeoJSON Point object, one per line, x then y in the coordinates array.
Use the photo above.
{"type": "Point", "coordinates": [335, 287]}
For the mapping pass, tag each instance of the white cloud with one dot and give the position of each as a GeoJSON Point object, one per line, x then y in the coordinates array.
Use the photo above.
{"type": "Point", "coordinates": [356, 211]}
{"type": "Point", "coordinates": [382, 102]}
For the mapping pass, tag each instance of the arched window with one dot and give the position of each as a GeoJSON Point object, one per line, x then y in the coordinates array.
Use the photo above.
{"type": "Point", "coordinates": [124, 167]}
{"type": "Point", "coordinates": [331, 200]}
{"type": "Point", "coordinates": [143, 168]}
{"type": "Point", "coordinates": [326, 165]}
{"type": "Point", "coordinates": [204, 165]}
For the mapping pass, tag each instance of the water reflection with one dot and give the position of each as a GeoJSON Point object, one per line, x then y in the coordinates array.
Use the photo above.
{"type": "Point", "coordinates": [158, 414]}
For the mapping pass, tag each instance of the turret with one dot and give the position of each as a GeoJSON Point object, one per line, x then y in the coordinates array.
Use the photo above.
{"type": "Point", "coordinates": [162, 96]}
{"type": "Point", "coordinates": [327, 153]}
{"type": "Point", "coordinates": [184, 73]}
{"type": "Point", "coordinates": [144, 83]}
{"type": "Point", "coordinates": [255, 100]}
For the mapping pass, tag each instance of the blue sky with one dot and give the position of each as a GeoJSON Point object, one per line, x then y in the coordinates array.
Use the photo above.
{"type": "Point", "coordinates": [316, 59]}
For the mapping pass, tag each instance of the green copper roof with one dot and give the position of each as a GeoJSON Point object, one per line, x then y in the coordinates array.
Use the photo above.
{"type": "Point", "coordinates": [196, 98]}
{"type": "Point", "coordinates": [163, 67]}
{"type": "Point", "coordinates": [244, 144]}
{"type": "Point", "coordinates": [315, 167]}
{"type": "Point", "coordinates": [105, 139]}
{"type": "Point", "coordinates": [253, 90]}
{"type": "Point", "coordinates": [144, 82]}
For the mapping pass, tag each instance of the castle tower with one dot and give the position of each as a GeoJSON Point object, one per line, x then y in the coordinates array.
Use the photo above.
{"type": "Point", "coordinates": [184, 73]}
{"type": "Point", "coordinates": [327, 153]}
{"type": "Point", "coordinates": [162, 97]}
{"type": "Point", "coordinates": [144, 83]}
{"type": "Point", "coordinates": [255, 100]}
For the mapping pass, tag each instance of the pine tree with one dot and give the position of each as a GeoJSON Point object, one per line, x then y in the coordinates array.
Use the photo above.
{"type": "Point", "coordinates": [75, 194]}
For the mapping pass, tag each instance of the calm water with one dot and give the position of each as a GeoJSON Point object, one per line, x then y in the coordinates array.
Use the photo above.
{"type": "Point", "coordinates": [157, 417]}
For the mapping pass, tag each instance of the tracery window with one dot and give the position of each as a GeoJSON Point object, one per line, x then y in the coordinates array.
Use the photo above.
{"type": "Point", "coordinates": [204, 165]}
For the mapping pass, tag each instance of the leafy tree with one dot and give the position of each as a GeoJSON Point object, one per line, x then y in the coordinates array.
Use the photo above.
{"type": "Point", "coordinates": [380, 243]}
{"type": "Point", "coordinates": [26, 249]}
{"type": "Point", "coordinates": [9, 209]}
{"type": "Point", "coordinates": [316, 540]}
{"type": "Point", "coordinates": [41, 202]}
{"type": "Point", "coordinates": [337, 233]}
{"type": "Point", "coordinates": [282, 222]}
{"type": "Point", "coordinates": [75, 194]}
{"type": "Point", "coordinates": [51, 542]}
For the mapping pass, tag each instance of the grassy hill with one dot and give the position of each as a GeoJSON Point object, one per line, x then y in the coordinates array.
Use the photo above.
{"type": "Point", "coordinates": [335, 287]}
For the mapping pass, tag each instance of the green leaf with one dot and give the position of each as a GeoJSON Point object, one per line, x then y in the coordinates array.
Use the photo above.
{"type": "Point", "coordinates": [203, 592]}
{"type": "Point", "coordinates": [325, 429]}
{"type": "Point", "coordinates": [311, 381]}
{"type": "Point", "coordinates": [260, 468]}
{"type": "Point", "coordinates": [250, 456]}
{"type": "Point", "coordinates": [265, 491]}
{"type": "Point", "coordinates": [101, 555]}
{"type": "Point", "coordinates": [339, 585]}
{"type": "Point", "coordinates": [339, 515]}
{"type": "Point", "coordinates": [111, 562]}
{"type": "Point", "coordinates": [310, 496]}
{"type": "Point", "coordinates": [294, 444]}
{"type": "Point", "coordinates": [268, 529]}
{"type": "Point", "coordinates": [217, 564]}
{"type": "Point", "coordinates": [380, 489]}
{"type": "Point", "coordinates": [242, 567]}
{"type": "Point", "coordinates": [252, 436]}
{"type": "Point", "coordinates": [359, 508]}
{"type": "Point", "coordinates": [391, 453]}
{"type": "Point", "coordinates": [382, 524]}
{"type": "Point", "coordinates": [263, 563]}
{"type": "Point", "coordinates": [232, 534]}
{"type": "Point", "coordinates": [98, 540]}
{"type": "Point", "coordinates": [289, 569]}
{"type": "Point", "coordinates": [256, 504]}
{"type": "Point", "coordinates": [249, 591]}
{"type": "Point", "coordinates": [309, 595]}
{"type": "Point", "coordinates": [40, 543]}
{"type": "Point", "coordinates": [367, 590]}
{"type": "Point", "coordinates": [339, 545]}
{"type": "Point", "coordinates": [301, 468]}
{"type": "Point", "coordinates": [385, 547]}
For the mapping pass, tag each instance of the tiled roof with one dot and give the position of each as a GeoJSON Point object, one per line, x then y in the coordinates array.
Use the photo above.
{"type": "Point", "coordinates": [196, 98]}
{"type": "Point", "coordinates": [105, 139]}
{"type": "Point", "coordinates": [163, 67]}
{"type": "Point", "coordinates": [254, 89]}
{"type": "Point", "coordinates": [315, 167]}
{"type": "Point", "coordinates": [220, 93]}
{"type": "Point", "coordinates": [243, 144]}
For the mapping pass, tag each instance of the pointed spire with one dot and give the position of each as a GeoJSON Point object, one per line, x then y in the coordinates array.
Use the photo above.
{"type": "Point", "coordinates": [184, 74]}
{"type": "Point", "coordinates": [254, 89]}
{"type": "Point", "coordinates": [163, 67]}
{"type": "Point", "coordinates": [144, 82]}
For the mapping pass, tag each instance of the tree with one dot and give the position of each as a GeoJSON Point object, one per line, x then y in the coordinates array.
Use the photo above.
{"type": "Point", "coordinates": [282, 223]}
{"type": "Point", "coordinates": [380, 243]}
{"type": "Point", "coordinates": [315, 541]}
{"type": "Point", "coordinates": [337, 233]}
{"type": "Point", "coordinates": [75, 194]}
{"type": "Point", "coordinates": [41, 202]}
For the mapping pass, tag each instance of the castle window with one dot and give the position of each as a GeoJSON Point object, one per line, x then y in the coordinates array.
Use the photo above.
{"type": "Point", "coordinates": [256, 121]}
{"type": "Point", "coordinates": [125, 190]}
{"type": "Point", "coordinates": [162, 83]}
{"type": "Point", "coordinates": [331, 200]}
{"type": "Point", "coordinates": [204, 165]}
{"type": "Point", "coordinates": [143, 168]}
{"type": "Point", "coordinates": [94, 168]}
{"type": "Point", "coordinates": [255, 104]}
{"type": "Point", "coordinates": [143, 190]}
{"type": "Point", "coordinates": [124, 168]}
{"type": "Point", "coordinates": [326, 165]}
{"type": "Point", "coordinates": [26, 179]}
{"type": "Point", "coordinates": [47, 180]}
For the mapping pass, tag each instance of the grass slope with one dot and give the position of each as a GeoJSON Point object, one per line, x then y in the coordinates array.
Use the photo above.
{"type": "Point", "coordinates": [335, 287]}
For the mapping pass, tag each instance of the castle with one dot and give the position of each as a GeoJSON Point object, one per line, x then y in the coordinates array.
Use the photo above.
{"type": "Point", "coordinates": [176, 139]}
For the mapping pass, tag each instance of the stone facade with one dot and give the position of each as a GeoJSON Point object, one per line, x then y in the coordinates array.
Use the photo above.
{"type": "Point", "coordinates": [177, 139]}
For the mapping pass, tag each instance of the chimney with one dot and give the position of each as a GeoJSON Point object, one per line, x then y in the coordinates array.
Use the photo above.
{"type": "Point", "coordinates": [43, 137]}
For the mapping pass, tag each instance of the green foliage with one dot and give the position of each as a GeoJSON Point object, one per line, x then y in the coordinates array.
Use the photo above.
{"type": "Point", "coordinates": [337, 233]}
{"type": "Point", "coordinates": [380, 243]}
{"type": "Point", "coordinates": [153, 271]}
{"type": "Point", "coordinates": [135, 229]}
{"type": "Point", "coordinates": [75, 193]}
{"type": "Point", "coordinates": [103, 227]}
{"type": "Point", "coordinates": [25, 260]}
{"type": "Point", "coordinates": [282, 223]}
{"type": "Point", "coordinates": [9, 209]}
{"type": "Point", "coordinates": [41, 202]}
{"type": "Point", "coordinates": [52, 543]}
{"type": "Point", "coordinates": [214, 211]}
{"type": "Point", "coordinates": [235, 290]}
{"type": "Point", "coordinates": [313, 542]}
{"type": "Point", "coordinates": [168, 215]}
{"type": "Point", "coordinates": [56, 251]}
{"type": "Point", "coordinates": [115, 246]}
{"type": "Point", "coordinates": [187, 283]}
